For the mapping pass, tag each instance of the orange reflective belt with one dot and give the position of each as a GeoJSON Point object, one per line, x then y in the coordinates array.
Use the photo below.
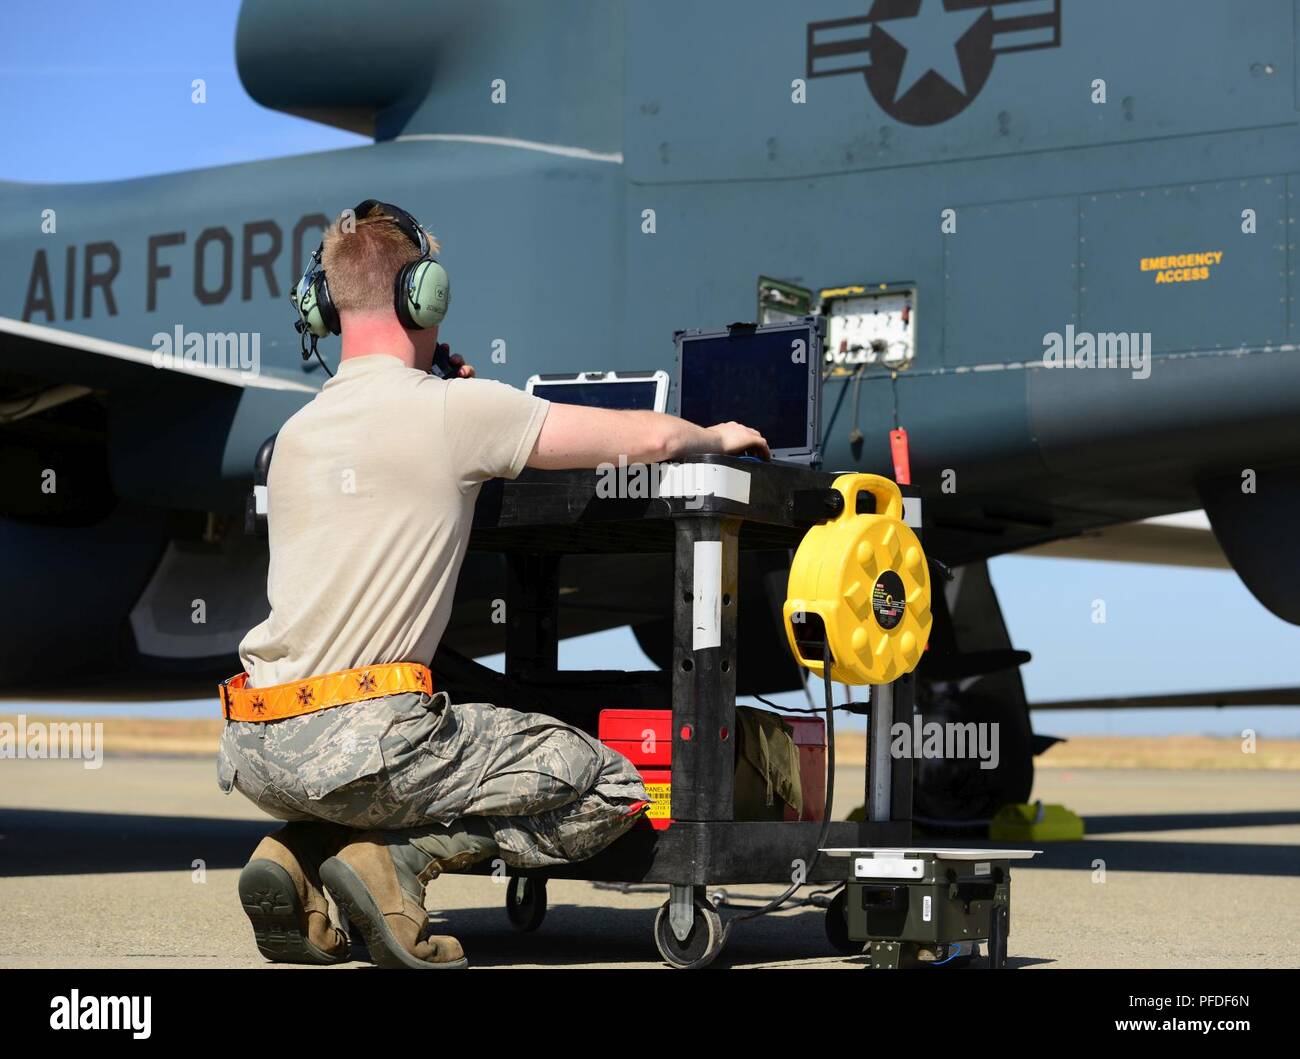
{"type": "Point", "coordinates": [240, 703]}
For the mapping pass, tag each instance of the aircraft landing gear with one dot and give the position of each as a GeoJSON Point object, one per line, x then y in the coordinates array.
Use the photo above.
{"type": "Point", "coordinates": [958, 788]}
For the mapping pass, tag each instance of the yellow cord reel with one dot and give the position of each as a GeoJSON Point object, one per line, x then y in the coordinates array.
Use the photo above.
{"type": "Point", "coordinates": [862, 583]}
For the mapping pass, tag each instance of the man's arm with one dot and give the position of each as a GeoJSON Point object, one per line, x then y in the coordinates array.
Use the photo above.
{"type": "Point", "coordinates": [576, 436]}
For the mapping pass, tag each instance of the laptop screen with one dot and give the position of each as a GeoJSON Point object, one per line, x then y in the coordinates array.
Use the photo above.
{"type": "Point", "coordinates": [617, 395]}
{"type": "Point", "coordinates": [766, 378]}
{"type": "Point", "coordinates": [620, 390]}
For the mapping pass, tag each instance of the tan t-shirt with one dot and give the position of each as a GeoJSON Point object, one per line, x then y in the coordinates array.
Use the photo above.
{"type": "Point", "coordinates": [370, 499]}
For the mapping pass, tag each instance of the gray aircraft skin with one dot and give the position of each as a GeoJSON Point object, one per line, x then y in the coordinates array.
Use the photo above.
{"type": "Point", "coordinates": [601, 175]}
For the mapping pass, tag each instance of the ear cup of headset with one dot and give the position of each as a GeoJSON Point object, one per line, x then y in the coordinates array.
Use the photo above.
{"type": "Point", "coordinates": [421, 289]}
{"type": "Point", "coordinates": [315, 309]}
{"type": "Point", "coordinates": [423, 292]}
{"type": "Point", "coordinates": [329, 315]}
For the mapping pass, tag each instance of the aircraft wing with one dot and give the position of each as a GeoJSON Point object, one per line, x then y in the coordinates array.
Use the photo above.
{"type": "Point", "coordinates": [115, 689]}
{"type": "Point", "coordinates": [62, 356]}
{"type": "Point", "coordinates": [1184, 539]}
{"type": "Point", "coordinates": [120, 473]}
{"type": "Point", "coordinates": [1239, 697]}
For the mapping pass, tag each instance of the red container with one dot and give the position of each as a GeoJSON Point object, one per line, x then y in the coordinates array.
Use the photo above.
{"type": "Point", "coordinates": [645, 738]}
{"type": "Point", "coordinates": [810, 738]}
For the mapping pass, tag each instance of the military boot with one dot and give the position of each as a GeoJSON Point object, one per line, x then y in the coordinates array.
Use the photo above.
{"type": "Point", "coordinates": [452, 848]}
{"type": "Point", "coordinates": [379, 879]}
{"type": "Point", "coordinates": [281, 892]}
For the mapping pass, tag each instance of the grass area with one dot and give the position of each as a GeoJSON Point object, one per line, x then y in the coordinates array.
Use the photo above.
{"type": "Point", "coordinates": [1170, 752]}
{"type": "Point", "coordinates": [164, 736]}
{"type": "Point", "coordinates": [1139, 752]}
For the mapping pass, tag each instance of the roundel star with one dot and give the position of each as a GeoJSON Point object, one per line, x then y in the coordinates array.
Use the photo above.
{"type": "Point", "coordinates": [930, 38]}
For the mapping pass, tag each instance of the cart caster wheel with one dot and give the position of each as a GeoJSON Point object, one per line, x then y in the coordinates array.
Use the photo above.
{"type": "Point", "coordinates": [526, 903]}
{"type": "Point", "coordinates": [702, 944]}
{"type": "Point", "coordinates": [837, 926]}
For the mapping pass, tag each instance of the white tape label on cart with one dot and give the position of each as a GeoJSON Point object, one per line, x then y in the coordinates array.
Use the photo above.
{"type": "Point", "coordinates": [926, 908]}
{"type": "Point", "coordinates": [706, 613]}
{"type": "Point", "coordinates": [704, 479]}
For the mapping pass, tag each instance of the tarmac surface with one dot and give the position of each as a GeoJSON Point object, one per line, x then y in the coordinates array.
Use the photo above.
{"type": "Point", "coordinates": [134, 865]}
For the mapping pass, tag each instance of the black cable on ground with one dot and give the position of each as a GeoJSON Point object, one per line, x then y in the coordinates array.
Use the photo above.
{"type": "Point", "coordinates": [720, 898]}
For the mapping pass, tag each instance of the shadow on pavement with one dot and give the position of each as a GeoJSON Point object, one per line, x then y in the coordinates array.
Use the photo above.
{"type": "Point", "coordinates": [49, 842]}
{"type": "Point", "coordinates": [1110, 825]}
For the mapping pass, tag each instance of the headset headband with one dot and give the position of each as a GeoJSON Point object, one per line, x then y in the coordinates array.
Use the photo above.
{"type": "Point", "coordinates": [421, 289]}
{"type": "Point", "coordinates": [409, 226]}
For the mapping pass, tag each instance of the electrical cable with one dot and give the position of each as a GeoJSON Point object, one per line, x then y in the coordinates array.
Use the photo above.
{"type": "Point", "coordinates": [860, 709]}
{"type": "Point", "coordinates": [322, 360]}
{"type": "Point", "coordinates": [719, 898]}
{"type": "Point", "coordinates": [835, 413]}
{"type": "Point", "coordinates": [310, 350]}
{"type": "Point", "coordinates": [857, 404]}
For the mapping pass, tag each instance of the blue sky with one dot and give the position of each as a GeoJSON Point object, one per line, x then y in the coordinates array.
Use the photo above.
{"type": "Point", "coordinates": [88, 93]}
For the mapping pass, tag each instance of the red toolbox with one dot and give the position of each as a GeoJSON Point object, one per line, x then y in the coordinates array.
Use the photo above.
{"type": "Point", "coordinates": [645, 738]}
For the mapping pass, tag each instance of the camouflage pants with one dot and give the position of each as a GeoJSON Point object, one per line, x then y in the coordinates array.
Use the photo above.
{"type": "Point", "coordinates": [550, 793]}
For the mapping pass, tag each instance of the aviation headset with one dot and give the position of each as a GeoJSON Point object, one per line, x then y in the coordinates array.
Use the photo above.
{"type": "Point", "coordinates": [421, 289]}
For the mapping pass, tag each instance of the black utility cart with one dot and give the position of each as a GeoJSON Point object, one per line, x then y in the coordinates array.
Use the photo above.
{"type": "Point", "coordinates": [703, 511]}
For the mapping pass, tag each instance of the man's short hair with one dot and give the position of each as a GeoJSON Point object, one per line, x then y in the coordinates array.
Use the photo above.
{"type": "Point", "coordinates": [362, 259]}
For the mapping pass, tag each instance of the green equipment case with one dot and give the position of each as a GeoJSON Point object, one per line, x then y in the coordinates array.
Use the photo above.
{"type": "Point", "coordinates": [915, 906]}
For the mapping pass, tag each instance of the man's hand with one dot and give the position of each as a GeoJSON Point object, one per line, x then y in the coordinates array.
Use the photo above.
{"type": "Point", "coordinates": [452, 365]}
{"type": "Point", "coordinates": [736, 439]}
{"type": "Point", "coordinates": [575, 436]}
